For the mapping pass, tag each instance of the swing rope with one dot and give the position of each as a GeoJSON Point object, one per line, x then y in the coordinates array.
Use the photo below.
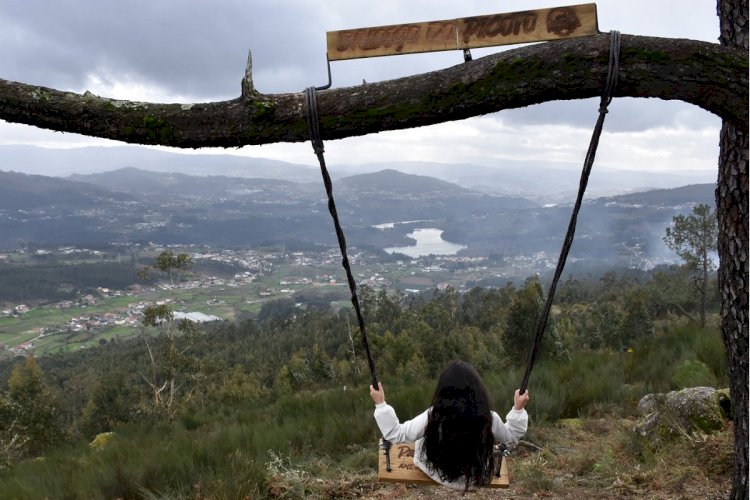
{"type": "Point", "coordinates": [313, 123]}
{"type": "Point", "coordinates": [612, 77]}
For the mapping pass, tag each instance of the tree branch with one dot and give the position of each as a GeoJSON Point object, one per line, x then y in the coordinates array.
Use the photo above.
{"type": "Point", "coordinates": [707, 75]}
{"type": "Point", "coordinates": [689, 316]}
{"type": "Point", "coordinates": [531, 446]}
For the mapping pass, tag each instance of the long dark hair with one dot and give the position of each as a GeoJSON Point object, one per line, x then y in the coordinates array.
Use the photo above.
{"type": "Point", "coordinates": [458, 439]}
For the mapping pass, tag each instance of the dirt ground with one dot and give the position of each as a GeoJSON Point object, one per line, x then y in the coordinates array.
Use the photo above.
{"type": "Point", "coordinates": [589, 459]}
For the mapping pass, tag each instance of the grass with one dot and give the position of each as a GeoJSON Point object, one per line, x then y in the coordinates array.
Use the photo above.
{"type": "Point", "coordinates": [243, 454]}
{"type": "Point", "coordinates": [51, 345]}
{"type": "Point", "coordinates": [249, 458]}
{"type": "Point", "coordinates": [323, 444]}
{"type": "Point", "coordinates": [14, 331]}
{"type": "Point", "coordinates": [603, 458]}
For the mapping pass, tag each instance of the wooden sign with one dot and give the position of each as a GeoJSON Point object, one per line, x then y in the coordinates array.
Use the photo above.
{"type": "Point", "coordinates": [403, 469]}
{"type": "Point", "coordinates": [470, 32]}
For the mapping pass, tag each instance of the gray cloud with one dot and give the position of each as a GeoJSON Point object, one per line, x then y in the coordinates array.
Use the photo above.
{"type": "Point", "coordinates": [626, 114]}
{"type": "Point", "coordinates": [197, 50]}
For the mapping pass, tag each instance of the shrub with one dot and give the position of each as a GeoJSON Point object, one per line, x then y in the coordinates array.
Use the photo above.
{"type": "Point", "coordinates": [692, 373]}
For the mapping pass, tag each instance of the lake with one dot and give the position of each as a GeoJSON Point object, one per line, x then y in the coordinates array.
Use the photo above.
{"type": "Point", "coordinates": [429, 241]}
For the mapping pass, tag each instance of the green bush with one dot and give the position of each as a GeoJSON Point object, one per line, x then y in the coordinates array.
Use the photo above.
{"type": "Point", "coordinates": [655, 360]}
{"type": "Point", "coordinates": [709, 349]}
{"type": "Point", "coordinates": [692, 373]}
{"type": "Point", "coordinates": [164, 461]}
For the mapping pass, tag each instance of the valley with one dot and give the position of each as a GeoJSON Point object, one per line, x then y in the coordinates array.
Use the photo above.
{"type": "Point", "coordinates": [230, 285]}
{"type": "Point", "coordinates": [72, 248]}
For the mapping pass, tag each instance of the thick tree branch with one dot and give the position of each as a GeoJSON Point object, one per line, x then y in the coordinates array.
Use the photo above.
{"type": "Point", "coordinates": [707, 75]}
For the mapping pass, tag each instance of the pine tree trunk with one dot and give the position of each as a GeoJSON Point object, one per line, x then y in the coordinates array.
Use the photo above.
{"type": "Point", "coordinates": [704, 284]}
{"type": "Point", "coordinates": [732, 201]}
{"type": "Point", "coordinates": [732, 211]}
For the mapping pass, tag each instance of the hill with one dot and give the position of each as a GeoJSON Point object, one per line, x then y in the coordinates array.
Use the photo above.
{"type": "Point", "coordinates": [392, 196]}
{"type": "Point", "coordinates": [279, 409]}
{"type": "Point", "coordinates": [131, 204]}
{"type": "Point", "coordinates": [23, 192]}
{"type": "Point", "coordinates": [553, 182]}
{"type": "Point", "coordinates": [398, 183]}
{"type": "Point", "coordinates": [88, 160]}
{"type": "Point", "coordinates": [691, 194]}
{"type": "Point", "coordinates": [169, 184]}
{"type": "Point", "coordinates": [541, 183]}
{"type": "Point", "coordinates": [629, 227]}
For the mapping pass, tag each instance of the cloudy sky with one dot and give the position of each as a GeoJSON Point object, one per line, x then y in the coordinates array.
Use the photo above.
{"type": "Point", "coordinates": [193, 51]}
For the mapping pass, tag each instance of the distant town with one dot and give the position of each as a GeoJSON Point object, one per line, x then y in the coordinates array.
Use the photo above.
{"type": "Point", "coordinates": [259, 277]}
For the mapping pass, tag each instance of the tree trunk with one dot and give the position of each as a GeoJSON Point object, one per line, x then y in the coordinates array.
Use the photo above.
{"type": "Point", "coordinates": [732, 200]}
{"type": "Point", "coordinates": [732, 211]}
{"type": "Point", "coordinates": [704, 284]}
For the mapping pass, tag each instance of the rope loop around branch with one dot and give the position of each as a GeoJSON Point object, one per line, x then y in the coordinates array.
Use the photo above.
{"type": "Point", "coordinates": [313, 120]}
{"type": "Point", "coordinates": [613, 70]}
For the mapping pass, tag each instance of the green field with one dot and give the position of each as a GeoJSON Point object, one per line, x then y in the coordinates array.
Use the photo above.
{"type": "Point", "coordinates": [224, 301]}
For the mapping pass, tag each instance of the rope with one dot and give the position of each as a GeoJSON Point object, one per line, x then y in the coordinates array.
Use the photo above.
{"type": "Point", "coordinates": [313, 123]}
{"type": "Point", "coordinates": [612, 77]}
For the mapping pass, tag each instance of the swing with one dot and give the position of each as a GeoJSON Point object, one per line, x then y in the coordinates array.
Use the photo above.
{"type": "Point", "coordinates": [395, 462]}
{"type": "Point", "coordinates": [396, 465]}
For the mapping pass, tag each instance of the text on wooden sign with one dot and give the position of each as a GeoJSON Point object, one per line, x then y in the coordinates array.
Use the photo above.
{"type": "Point", "coordinates": [465, 33]}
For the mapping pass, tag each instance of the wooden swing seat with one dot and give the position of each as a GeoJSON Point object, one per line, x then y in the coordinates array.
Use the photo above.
{"type": "Point", "coordinates": [403, 469]}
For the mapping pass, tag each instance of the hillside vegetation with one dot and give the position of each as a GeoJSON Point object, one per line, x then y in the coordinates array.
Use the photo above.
{"type": "Point", "coordinates": [279, 408]}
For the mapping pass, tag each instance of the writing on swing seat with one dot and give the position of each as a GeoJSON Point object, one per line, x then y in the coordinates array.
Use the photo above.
{"type": "Point", "coordinates": [403, 470]}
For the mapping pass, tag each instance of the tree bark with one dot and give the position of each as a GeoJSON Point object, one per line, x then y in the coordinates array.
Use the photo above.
{"type": "Point", "coordinates": [732, 212]}
{"type": "Point", "coordinates": [732, 203]}
{"type": "Point", "coordinates": [704, 291]}
{"type": "Point", "coordinates": [707, 75]}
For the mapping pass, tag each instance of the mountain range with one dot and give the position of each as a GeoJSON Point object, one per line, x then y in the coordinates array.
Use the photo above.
{"type": "Point", "coordinates": [134, 205]}
{"type": "Point", "coordinates": [551, 183]}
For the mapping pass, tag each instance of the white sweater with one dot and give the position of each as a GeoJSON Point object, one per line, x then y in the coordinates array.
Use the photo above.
{"type": "Point", "coordinates": [516, 423]}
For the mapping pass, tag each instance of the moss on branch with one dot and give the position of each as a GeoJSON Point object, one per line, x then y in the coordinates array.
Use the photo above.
{"type": "Point", "coordinates": [704, 74]}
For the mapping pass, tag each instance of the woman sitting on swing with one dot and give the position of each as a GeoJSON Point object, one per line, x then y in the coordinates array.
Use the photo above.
{"type": "Point", "coordinates": [454, 438]}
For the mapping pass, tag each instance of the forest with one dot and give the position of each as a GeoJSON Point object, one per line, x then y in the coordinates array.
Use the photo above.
{"type": "Point", "coordinates": [262, 407]}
